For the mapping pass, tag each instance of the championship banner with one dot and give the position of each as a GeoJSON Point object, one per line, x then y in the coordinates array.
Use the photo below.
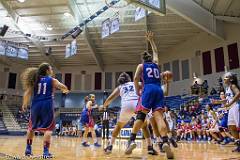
{"type": "Point", "coordinates": [155, 3]}
{"type": "Point", "coordinates": [68, 51]}
{"type": "Point", "coordinates": [2, 48]}
{"type": "Point", "coordinates": [115, 25]}
{"type": "Point", "coordinates": [139, 13]}
{"type": "Point", "coordinates": [12, 49]}
{"type": "Point", "coordinates": [23, 52]}
{"type": "Point", "coordinates": [106, 28]}
{"type": "Point", "coordinates": [74, 47]}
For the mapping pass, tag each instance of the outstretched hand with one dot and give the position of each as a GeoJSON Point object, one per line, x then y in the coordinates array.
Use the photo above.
{"type": "Point", "coordinates": [149, 35]}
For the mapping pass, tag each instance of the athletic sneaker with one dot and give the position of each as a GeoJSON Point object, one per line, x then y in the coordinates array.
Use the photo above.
{"type": "Point", "coordinates": [97, 145]}
{"type": "Point", "coordinates": [237, 149]}
{"type": "Point", "coordinates": [173, 142]}
{"type": "Point", "coordinates": [168, 151]}
{"type": "Point", "coordinates": [131, 146]}
{"type": "Point", "coordinates": [160, 144]}
{"type": "Point", "coordinates": [28, 151]}
{"type": "Point", "coordinates": [46, 154]}
{"type": "Point", "coordinates": [108, 149]}
{"type": "Point", "coordinates": [152, 151]}
{"type": "Point", "coordinates": [84, 144]}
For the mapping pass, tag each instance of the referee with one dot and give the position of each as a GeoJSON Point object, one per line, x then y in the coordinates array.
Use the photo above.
{"type": "Point", "coordinates": [105, 124]}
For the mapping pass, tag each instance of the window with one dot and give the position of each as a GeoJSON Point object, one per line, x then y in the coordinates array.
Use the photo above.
{"type": "Point", "coordinates": [68, 80]}
{"type": "Point", "coordinates": [98, 81]}
{"type": "Point", "coordinates": [233, 56]}
{"type": "Point", "coordinates": [108, 80]}
{"type": "Point", "coordinates": [12, 80]}
{"type": "Point", "coordinates": [219, 59]}
{"type": "Point", "coordinates": [207, 64]}
{"type": "Point", "coordinates": [166, 66]}
{"type": "Point", "coordinates": [185, 69]}
{"type": "Point", "coordinates": [175, 69]}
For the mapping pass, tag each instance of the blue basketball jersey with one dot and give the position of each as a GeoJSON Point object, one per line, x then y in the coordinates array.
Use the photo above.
{"type": "Point", "coordinates": [151, 74]}
{"type": "Point", "coordinates": [44, 89]}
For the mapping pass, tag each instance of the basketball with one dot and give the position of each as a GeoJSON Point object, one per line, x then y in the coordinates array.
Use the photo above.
{"type": "Point", "coordinates": [167, 75]}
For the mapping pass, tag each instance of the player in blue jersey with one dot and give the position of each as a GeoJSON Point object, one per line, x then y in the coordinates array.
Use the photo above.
{"type": "Point", "coordinates": [39, 87]}
{"type": "Point", "coordinates": [223, 117]}
{"type": "Point", "coordinates": [87, 120]}
{"type": "Point", "coordinates": [152, 97]}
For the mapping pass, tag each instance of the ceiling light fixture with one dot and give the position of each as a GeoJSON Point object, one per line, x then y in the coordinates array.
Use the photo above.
{"type": "Point", "coordinates": [21, 1]}
{"type": "Point", "coordinates": [67, 14]}
{"type": "Point", "coordinates": [49, 27]}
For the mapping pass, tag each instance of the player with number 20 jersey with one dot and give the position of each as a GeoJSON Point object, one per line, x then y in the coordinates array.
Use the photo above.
{"type": "Point", "coordinates": [152, 95]}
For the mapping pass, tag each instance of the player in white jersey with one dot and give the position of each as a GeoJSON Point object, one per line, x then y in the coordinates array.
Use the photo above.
{"type": "Point", "coordinates": [129, 101]}
{"type": "Point", "coordinates": [171, 125]}
{"type": "Point", "coordinates": [233, 105]}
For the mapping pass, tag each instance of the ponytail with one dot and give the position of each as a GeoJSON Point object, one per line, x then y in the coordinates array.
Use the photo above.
{"type": "Point", "coordinates": [147, 57]}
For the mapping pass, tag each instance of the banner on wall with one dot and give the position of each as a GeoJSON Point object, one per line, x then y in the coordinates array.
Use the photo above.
{"type": "Point", "coordinates": [71, 49]}
{"type": "Point", "coordinates": [115, 25]}
{"type": "Point", "coordinates": [2, 48]}
{"type": "Point", "coordinates": [106, 28]}
{"type": "Point", "coordinates": [12, 49]}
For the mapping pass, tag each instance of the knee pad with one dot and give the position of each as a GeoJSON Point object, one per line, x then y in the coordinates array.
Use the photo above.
{"type": "Point", "coordinates": [141, 116]}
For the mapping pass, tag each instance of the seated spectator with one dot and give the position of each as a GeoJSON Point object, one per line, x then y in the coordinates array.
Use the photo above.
{"type": "Point", "coordinates": [213, 91]}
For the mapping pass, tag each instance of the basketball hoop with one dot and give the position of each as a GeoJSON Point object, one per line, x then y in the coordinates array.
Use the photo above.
{"type": "Point", "coordinates": [121, 4]}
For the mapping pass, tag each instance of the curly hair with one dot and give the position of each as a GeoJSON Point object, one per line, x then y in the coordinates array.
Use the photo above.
{"type": "Point", "coordinates": [29, 77]}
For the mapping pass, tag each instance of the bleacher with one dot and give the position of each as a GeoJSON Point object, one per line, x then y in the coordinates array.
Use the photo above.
{"type": "Point", "coordinates": [174, 102]}
{"type": "Point", "coordinates": [3, 129]}
{"type": "Point", "coordinates": [22, 118]}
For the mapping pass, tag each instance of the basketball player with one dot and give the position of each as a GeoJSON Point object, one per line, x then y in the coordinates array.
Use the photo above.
{"type": "Point", "coordinates": [39, 84]}
{"type": "Point", "coordinates": [87, 120]}
{"type": "Point", "coordinates": [233, 105]}
{"type": "Point", "coordinates": [129, 101]}
{"type": "Point", "coordinates": [223, 117]}
{"type": "Point", "coordinates": [152, 97]}
{"type": "Point", "coordinates": [213, 121]}
{"type": "Point", "coordinates": [171, 126]}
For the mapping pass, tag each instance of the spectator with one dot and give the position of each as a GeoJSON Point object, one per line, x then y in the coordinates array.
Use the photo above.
{"type": "Point", "coordinates": [213, 91]}
{"type": "Point", "coordinates": [205, 87]}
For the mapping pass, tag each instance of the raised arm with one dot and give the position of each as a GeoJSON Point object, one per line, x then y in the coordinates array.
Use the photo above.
{"type": "Point", "coordinates": [60, 86]}
{"type": "Point", "coordinates": [149, 37]}
{"type": "Point", "coordinates": [137, 78]}
{"type": "Point", "coordinates": [26, 98]}
{"type": "Point", "coordinates": [113, 96]}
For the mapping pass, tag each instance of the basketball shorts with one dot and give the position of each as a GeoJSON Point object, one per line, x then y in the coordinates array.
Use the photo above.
{"type": "Point", "coordinates": [152, 97]}
{"type": "Point", "coordinates": [127, 110]}
{"type": "Point", "coordinates": [233, 116]}
{"type": "Point", "coordinates": [214, 129]}
{"type": "Point", "coordinates": [86, 120]}
{"type": "Point", "coordinates": [42, 116]}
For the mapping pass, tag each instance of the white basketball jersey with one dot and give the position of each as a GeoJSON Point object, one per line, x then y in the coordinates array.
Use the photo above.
{"type": "Point", "coordinates": [229, 94]}
{"type": "Point", "coordinates": [128, 92]}
{"type": "Point", "coordinates": [168, 117]}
